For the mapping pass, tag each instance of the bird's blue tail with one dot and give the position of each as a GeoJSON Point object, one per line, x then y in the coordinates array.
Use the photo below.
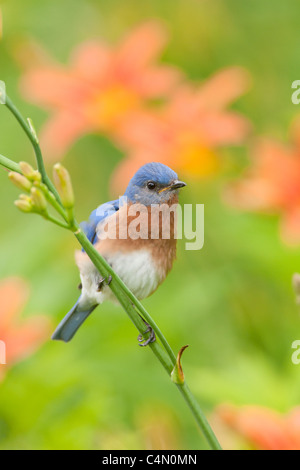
{"type": "Point", "coordinates": [72, 321]}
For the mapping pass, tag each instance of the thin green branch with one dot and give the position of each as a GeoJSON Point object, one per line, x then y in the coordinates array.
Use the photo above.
{"type": "Point", "coordinates": [9, 164]}
{"type": "Point", "coordinates": [121, 292]}
{"type": "Point", "coordinates": [56, 221]}
{"type": "Point", "coordinates": [35, 143]}
{"type": "Point", "coordinates": [106, 271]}
{"type": "Point", "coordinates": [128, 301]}
{"type": "Point", "coordinates": [53, 201]}
{"type": "Point", "coordinates": [200, 416]}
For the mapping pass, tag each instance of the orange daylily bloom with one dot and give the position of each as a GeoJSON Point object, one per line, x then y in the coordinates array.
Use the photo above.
{"type": "Point", "coordinates": [20, 338]}
{"type": "Point", "coordinates": [186, 131]}
{"type": "Point", "coordinates": [101, 86]}
{"type": "Point", "coordinates": [263, 428]}
{"type": "Point", "coordinates": [272, 184]}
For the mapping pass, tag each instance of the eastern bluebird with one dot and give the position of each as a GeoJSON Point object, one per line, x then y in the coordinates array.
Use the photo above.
{"type": "Point", "coordinates": [141, 262]}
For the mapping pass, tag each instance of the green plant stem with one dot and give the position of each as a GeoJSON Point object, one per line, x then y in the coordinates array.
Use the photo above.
{"type": "Point", "coordinates": [106, 270]}
{"type": "Point", "coordinates": [199, 415]}
{"type": "Point", "coordinates": [56, 221]}
{"type": "Point", "coordinates": [52, 200]}
{"type": "Point", "coordinates": [9, 164]}
{"type": "Point", "coordinates": [121, 292]}
{"type": "Point", "coordinates": [37, 150]}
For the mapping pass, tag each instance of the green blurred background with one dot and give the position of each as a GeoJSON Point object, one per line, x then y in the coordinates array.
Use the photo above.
{"type": "Point", "coordinates": [232, 302]}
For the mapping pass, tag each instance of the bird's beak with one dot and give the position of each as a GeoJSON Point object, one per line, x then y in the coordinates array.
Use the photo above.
{"type": "Point", "coordinates": [177, 185]}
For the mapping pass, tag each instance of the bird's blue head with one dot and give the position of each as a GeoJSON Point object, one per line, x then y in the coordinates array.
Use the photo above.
{"type": "Point", "coordinates": [153, 183]}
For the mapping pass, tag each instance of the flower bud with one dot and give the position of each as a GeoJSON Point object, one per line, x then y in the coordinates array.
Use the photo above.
{"type": "Point", "coordinates": [63, 185]}
{"type": "Point", "coordinates": [38, 200]}
{"type": "Point", "coordinates": [26, 170]}
{"type": "Point", "coordinates": [24, 206]}
{"type": "Point", "coordinates": [177, 375]}
{"type": "Point", "coordinates": [23, 197]}
{"type": "Point", "coordinates": [37, 177]}
{"type": "Point", "coordinates": [20, 181]}
{"type": "Point", "coordinates": [30, 173]}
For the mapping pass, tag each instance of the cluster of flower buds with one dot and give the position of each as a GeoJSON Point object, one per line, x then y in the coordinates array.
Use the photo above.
{"type": "Point", "coordinates": [29, 180]}
{"type": "Point", "coordinates": [38, 194]}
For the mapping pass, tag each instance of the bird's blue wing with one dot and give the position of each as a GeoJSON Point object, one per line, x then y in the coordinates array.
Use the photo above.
{"type": "Point", "coordinates": [72, 321]}
{"type": "Point", "coordinates": [97, 216]}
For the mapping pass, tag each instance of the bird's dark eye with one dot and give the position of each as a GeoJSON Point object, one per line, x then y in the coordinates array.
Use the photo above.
{"type": "Point", "coordinates": [151, 185]}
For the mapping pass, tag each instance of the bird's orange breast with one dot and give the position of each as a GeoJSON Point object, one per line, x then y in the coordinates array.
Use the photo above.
{"type": "Point", "coordinates": [136, 227]}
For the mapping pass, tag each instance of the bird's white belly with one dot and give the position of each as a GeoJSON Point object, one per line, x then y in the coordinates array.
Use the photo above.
{"type": "Point", "coordinates": [138, 271]}
{"type": "Point", "coordinates": [136, 268]}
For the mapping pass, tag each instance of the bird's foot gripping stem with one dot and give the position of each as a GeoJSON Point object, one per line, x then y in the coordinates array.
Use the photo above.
{"type": "Point", "coordinates": [144, 342]}
{"type": "Point", "coordinates": [105, 281]}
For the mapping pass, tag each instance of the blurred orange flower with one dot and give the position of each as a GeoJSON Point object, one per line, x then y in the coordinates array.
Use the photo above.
{"type": "Point", "coordinates": [185, 132]}
{"type": "Point", "coordinates": [272, 184]}
{"type": "Point", "coordinates": [101, 86]}
{"type": "Point", "coordinates": [263, 428]}
{"type": "Point", "coordinates": [20, 338]}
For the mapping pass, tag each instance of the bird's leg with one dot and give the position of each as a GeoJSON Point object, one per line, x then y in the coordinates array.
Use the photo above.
{"type": "Point", "coordinates": [151, 338]}
{"type": "Point", "coordinates": [104, 281]}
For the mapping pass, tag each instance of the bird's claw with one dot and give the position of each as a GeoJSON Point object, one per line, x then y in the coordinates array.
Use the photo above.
{"type": "Point", "coordinates": [151, 338]}
{"type": "Point", "coordinates": [104, 281]}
